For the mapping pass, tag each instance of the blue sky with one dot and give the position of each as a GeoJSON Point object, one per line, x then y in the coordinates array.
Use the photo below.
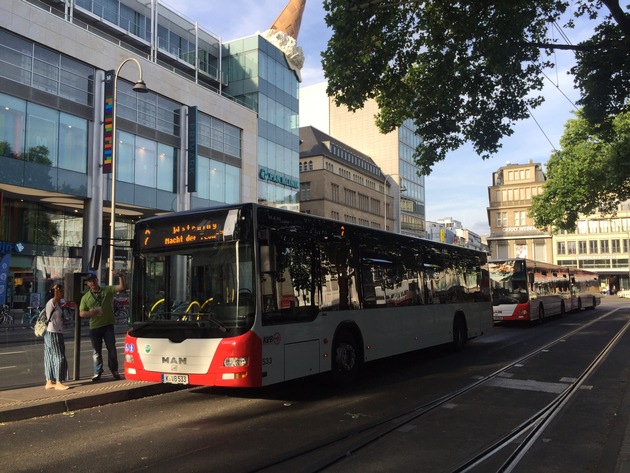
{"type": "Point", "coordinates": [458, 186]}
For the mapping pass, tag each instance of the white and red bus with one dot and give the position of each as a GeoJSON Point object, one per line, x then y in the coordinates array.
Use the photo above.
{"type": "Point", "coordinates": [526, 290]}
{"type": "Point", "coordinates": [249, 295]}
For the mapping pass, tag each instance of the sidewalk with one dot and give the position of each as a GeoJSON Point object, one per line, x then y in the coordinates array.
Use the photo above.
{"type": "Point", "coordinates": [25, 403]}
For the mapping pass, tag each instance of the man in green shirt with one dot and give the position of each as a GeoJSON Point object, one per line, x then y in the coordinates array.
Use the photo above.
{"type": "Point", "coordinates": [98, 305]}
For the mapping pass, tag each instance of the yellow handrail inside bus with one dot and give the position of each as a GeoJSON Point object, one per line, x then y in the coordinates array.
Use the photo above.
{"type": "Point", "coordinates": [161, 301]}
{"type": "Point", "coordinates": [208, 301]}
{"type": "Point", "coordinates": [188, 311]}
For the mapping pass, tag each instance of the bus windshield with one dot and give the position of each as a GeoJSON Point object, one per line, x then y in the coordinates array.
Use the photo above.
{"type": "Point", "coordinates": [207, 288]}
{"type": "Point", "coordinates": [509, 282]}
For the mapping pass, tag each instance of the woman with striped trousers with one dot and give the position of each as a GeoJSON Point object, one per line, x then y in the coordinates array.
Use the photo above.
{"type": "Point", "coordinates": [55, 363]}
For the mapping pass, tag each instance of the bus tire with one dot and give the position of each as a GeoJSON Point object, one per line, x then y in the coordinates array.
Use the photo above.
{"type": "Point", "coordinates": [346, 358]}
{"type": "Point", "coordinates": [594, 304]}
{"type": "Point", "coordinates": [579, 303]}
{"type": "Point", "coordinates": [460, 332]}
{"type": "Point", "coordinates": [541, 313]}
{"type": "Point", "coordinates": [563, 311]}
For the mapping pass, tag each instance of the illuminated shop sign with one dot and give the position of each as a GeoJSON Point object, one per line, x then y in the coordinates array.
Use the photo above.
{"type": "Point", "coordinates": [270, 176]}
{"type": "Point", "coordinates": [6, 248]}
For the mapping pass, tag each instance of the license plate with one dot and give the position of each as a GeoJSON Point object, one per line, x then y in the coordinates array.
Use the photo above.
{"type": "Point", "coordinates": [175, 378]}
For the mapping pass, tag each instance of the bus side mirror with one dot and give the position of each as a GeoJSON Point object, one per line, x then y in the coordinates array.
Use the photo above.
{"type": "Point", "coordinates": [267, 259]}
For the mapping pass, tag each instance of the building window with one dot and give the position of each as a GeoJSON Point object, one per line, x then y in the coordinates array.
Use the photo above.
{"type": "Point", "coordinates": [571, 247]}
{"type": "Point", "coordinates": [364, 202]}
{"type": "Point", "coordinates": [519, 218]}
{"type": "Point", "coordinates": [375, 206]}
{"type": "Point", "coordinates": [582, 247]}
{"type": "Point", "coordinates": [502, 219]}
{"type": "Point", "coordinates": [334, 215]}
{"type": "Point", "coordinates": [561, 248]}
{"type": "Point", "coordinates": [593, 226]}
{"type": "Point", "coordinates": [615, 246]}
{"type": "Point", "coordinates": [350, 198]}
{"type": "Point", "coordinates": [33, 65]}
{"type": "Point", "coordinates": [334, 192]}
{"type": "Point", "coordinates": [604, 246]}
{"type": "Point", "coordinates": [305, 191]}
{"type": "Point", "coordinates": [502, 250]}
{"type": "Point", "coordinates": [592, 247]}
{"type": "Point", "coordinates": [581, 227]}
{"type": "Point", "coordinates": [218, 135]}
{"type": "Point", "coordinates": [540, 251]}
{"type": "Point", "coordinates": [218, 181]}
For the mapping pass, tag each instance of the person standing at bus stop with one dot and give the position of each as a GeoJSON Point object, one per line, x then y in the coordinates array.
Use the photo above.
{"type": "Point", "coordinates": [98, 305]}
{"type": "Point", "coordinates": [55, 362]}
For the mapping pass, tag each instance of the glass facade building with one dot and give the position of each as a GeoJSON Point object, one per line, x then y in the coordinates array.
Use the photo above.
{"type": "Point", "coordinates": [260, 78]}
{"type": "Point", "coordinates": [55, 199]}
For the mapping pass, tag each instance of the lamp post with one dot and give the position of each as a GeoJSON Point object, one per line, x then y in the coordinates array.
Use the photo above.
{"type": "Point", "coordinates": [140, 87]}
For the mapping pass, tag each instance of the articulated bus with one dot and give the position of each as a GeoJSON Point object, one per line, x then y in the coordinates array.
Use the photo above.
{"type": "Point", "coordinates": [527, 290]}
{"type": "Point", "coordinates": [249, 295]}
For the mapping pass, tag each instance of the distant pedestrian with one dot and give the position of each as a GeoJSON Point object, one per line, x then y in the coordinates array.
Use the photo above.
{"type": "Point", "coordinates": [55, 362]}
{"type": "Point", "coordinates": [98, 305]}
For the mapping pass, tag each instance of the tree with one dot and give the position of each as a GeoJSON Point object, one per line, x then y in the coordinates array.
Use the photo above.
{"type": "Point", "coordinates": [467, 71]}
{"type": "Point", "coordinates": [589, 174]}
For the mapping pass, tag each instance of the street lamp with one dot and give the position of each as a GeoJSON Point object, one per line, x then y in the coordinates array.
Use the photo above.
{"type": "Point", "coordinates": [139, 87]}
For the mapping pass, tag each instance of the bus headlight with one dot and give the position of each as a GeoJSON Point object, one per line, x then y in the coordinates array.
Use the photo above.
{"type": "Point", "coordinates": [236, 361]}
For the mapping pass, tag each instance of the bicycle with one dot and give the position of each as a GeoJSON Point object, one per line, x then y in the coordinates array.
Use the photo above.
{"type": "Point", "coordinates": [30, 316]}
{"type": "Point", "coordinates": [68, 312]}
{"type": "Point", "coordinates": [6, 319]}
{"type": "Point", "coordinates": [120, 312]}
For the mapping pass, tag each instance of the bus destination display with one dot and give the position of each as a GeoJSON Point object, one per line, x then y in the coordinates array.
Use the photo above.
{"type": "Point", "coordinates": [184, 233]}
{"type": "Point", "coordinates": [180, 234]}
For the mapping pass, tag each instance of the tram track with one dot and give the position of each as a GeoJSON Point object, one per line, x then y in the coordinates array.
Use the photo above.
{"type": "Point", "coordinates": [505, 450]}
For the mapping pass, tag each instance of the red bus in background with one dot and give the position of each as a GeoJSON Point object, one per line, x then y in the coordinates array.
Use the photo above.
{"type": "Point", "coordinates": [527, 290]}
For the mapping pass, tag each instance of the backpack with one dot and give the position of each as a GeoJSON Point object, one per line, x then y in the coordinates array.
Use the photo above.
{"type": "Point", "coordinates": [42, 324]}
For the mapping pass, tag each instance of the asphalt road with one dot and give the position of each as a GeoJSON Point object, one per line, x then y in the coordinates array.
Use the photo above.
{"type": "Point", "coordinates": [209, 429]}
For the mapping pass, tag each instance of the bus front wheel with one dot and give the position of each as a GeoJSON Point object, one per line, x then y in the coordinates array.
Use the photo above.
{"type": "Point", "coordinates": [460, 333]}
{"type": "Point", "coordinates": [346, 359]}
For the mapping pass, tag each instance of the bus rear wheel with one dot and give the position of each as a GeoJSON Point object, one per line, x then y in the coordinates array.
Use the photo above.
{"type": "Point", "coordinates": [346, 359]}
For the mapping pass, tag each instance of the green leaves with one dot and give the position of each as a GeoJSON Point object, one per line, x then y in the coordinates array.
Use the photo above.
{"type": "Point", "coordinates": [590, 174]}
{"type": "Point", "coordinates": [466, 71]}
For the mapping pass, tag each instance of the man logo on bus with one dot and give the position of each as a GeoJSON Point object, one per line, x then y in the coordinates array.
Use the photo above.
{"type": "Point", "coordinates": [147, 348]}
{"type": "Point", "coordinates": [269, 339]}
{"type": "Point", "coordinates": [174, 361]}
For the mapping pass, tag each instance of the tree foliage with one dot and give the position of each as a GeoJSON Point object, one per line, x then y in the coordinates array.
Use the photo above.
{"type": "Point", "coordinates": [589, 174]}
{"type": "Point", "coordinates": [467, 71]}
